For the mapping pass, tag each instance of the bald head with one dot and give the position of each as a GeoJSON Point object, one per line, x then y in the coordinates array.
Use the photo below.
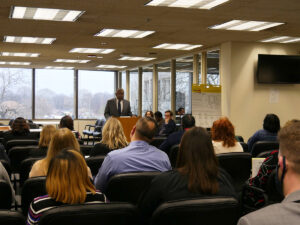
{"type": "Point", "coordinates": [146, 128]}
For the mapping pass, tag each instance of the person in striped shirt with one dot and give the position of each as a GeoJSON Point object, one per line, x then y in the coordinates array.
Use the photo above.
{"type": "Point", "coordinates": [67, 182]}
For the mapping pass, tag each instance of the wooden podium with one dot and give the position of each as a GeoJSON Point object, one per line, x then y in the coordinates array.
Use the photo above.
{"type": "Point", "coordinates": [127, 124]}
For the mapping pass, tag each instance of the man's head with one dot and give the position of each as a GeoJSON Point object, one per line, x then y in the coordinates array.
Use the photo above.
{"type": "Point", "coordinates": [289, 155]}
{"type": "Point", "coordinates": [168, 114]}
{"type": "Point", "coordinates": [120, 94]}
{"type": "Point", "coordinates": [188, 121]}
{"type": "Point", "coordinates": [181, 111]}
{"type": "Point", "coordinates": [145, 129]}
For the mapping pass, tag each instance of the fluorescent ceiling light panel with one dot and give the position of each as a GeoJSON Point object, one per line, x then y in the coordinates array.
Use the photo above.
{"type": "Point", "coordinates": [71, 61]}
{"type": "Point", "coordinates": [59, 67]}
{"type": "Point", "coordinates": [245, 25]}
{"type": "Point", "coordinates": [282, 39]}
{"type": "Point", "coordinates": [15, 63]}
{"type": "Point", "coordinates": [177, 46]}
{"type": "Point", "coordinates": [92, 50]}
{"type": "Point", "coordinates": [135, 58]}
{"type": "Point", "coordinates": [123, 33]}
{"type": "Point", "coordinates": [28, 40]}
{"type": "Point", "coordinates": [197, 4]}
{"type": "Point", "coordinates": [20, 54]}
{"type": "Point", "coordinates": [19, 12]}
{"type": "Point", "coordinates": [110, 66]}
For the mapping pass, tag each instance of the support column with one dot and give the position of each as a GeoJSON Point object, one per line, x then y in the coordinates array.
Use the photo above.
{"type": "Point", "coordinates": [173, 85]}
{"type": "Point", "coordinates": [127, 85]}
{"type": "Point", "coordinates": [196, 69]}
{"type": "Point", "coordinates": [203, 67]}
{"type": "Point", "coordinates": [140, 81]}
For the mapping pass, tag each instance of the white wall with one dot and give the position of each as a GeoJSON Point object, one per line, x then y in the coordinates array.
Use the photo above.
{"type": "Point", "coordinates": [243, 100]}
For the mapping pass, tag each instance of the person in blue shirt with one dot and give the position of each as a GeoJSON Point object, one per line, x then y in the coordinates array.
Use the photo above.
{"type": "Point", "coordinates": [269, 132]}
{"type": "Point", "coordinates": [138, 156]}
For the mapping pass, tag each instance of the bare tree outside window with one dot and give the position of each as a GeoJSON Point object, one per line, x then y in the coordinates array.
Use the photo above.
{"type": "Point", "coordinates": [134, 91]}
{"type": "Point", "coordinates": [124, 81]}
{"type": "Point", "coordinates": [147, 89]}
{"type": "Point", "coordinates": [15, 93]}
{"type": "Point", "coordinates": [164, 86]}
{"type": "Point", "coordinates": [213, 74]}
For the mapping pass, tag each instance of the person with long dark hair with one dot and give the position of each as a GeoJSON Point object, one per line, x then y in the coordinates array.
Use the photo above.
{"type": "Point", "coordinates": [196, 175]}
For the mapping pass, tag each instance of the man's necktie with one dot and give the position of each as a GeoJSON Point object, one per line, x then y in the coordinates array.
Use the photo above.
{"type": "Point", "coordinates": [119, 107]}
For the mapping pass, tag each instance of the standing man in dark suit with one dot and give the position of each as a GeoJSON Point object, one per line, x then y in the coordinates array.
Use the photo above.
{"type": "Point", "coordinates": [117, 106]}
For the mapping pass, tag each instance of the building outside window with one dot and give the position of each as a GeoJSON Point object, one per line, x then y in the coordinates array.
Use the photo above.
{"type": "Point", "coordinates": [94, 89]}
{"type": "Point", "coordinates": [54, 93]}
{"type": "Point", "coordinates": [147, 85]}
{"type": "Point", "coordinates": [184, 78]}
{"type": "Point", "coordinates": [164, 86]}
{"type": "Point", "coordinates": [15, 93]}
{"type": "Point", "coordinates": [213, 73]}
{"type": "Point", "coordinates": [134, 93]}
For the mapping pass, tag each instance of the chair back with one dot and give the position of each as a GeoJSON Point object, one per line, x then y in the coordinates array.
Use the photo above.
{"type": "Point", "coordinates": [127, 187]}
{"type": "Point", "coordinates": [244, 146]}
{"type": "Point", "coordinates": [25, 168]}
{"type": "Point", "coordinates": [91, 214]}
{"type": "Point", "coordinates": [17, 154]}
{"type": "Point", "coordinates": [157, 141]}
{"type": "Point", "coordinates": [86, 149]}
{"type": "Point", "coordinates": [8, 217]}
{"type": "Point", "coordinates": [173, 155]}
{"type": "Point", "coordinates": [238, 166]}
{"type": "Point", "coordinates": [20, 142]}
{"type": "Point", "coordinates": [201, 211]}
{"type": "Point", "coordinates": [32, 188]}
{"type": "Point", "coordinates": [262, 146]}
{"type": "Point", "coordinates": [5, 195]}
{"type": "Point", "coordinates": [95, 163]}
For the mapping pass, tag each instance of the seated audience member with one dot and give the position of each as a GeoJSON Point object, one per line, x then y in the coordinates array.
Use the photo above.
{"type": "Point", "coordinates": [288, 211]}
{"type": "Point", "coordinates": [137, 156]}
{"type": "Point", "coordinates": [19, 130]}
{"type": "Point", "coordinates": [62, 139]}
{"type": "Point", "coordinates": [269, 132]}
{"type": "Point", "coordinates": [169, 126]}
{"type": "Point", "coordinates": [196, 175]}
{"type": "Point", "coordinates": [149, 114]}
{"type": "Point", "coordinates": [223, 137]}
{"type": "Point", "coordinates": [67, 122]}
{"type": "Point", "coordinates": [188, 121]}
{"type": "Point", "coordinates": [4, 176]}
{"type": "Point", "coordinates": [159, 120]}
{"type": "Point", "coordinates": [181, 111]}
{"type": "Point", "coordinates": [113, 137]}
{"type": "Point", "coordinates": [67, 182]}
{"type": "Point", "coordinates": [45, 138]}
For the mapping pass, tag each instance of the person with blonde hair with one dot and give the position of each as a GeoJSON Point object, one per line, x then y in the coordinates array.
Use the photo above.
{"type": "Point", "coordinates": [113, 137]}
{"type": "Point", "coordinates": [45, 138]}
{"type": "Point", "coordinates": [67, 182]}
{"type": "Point", "coordinates": [62, 139]}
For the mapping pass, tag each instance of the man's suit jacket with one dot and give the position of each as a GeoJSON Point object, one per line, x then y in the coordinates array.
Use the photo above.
{"type": "Point", "coordinates": [287, 212]}
{"type": "Point", "coordinates": [112, 110]}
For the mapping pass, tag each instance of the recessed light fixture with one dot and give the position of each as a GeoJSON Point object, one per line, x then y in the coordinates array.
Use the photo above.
{"type": "Point", "coordinates": [29, 40]}
{"type": "Point", "coordinates": [123, 33]}
{"type": "Point", "coordinates": [110, 67]}
{"type": "Point", "coordinates": [59, 67]}
{"type": "Point", "coordinates": [282, 39]}
{"type": "Point", "coordinates": [245, 25]}
{"type": "Point", "coordinates": [177, 46]}
{"type": "Point", "coordinates": [135, 58]}
{"type": "Point", "coordinates": [198, 4]}
{"type": "Point", "coordinates": [71, 60]}
{"type": "Point", "coordinates": [92, 50]}
{"type": "Point", "coordinates": [20, 54]}
{"type": "Point", "coordinates": [19, 12]}
{"type": "Point", "coordinates": [15, 63]}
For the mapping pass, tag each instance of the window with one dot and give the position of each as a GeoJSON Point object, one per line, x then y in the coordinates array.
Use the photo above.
{"type": "Point", "coordinates": [147, 84]}
{"type": "Point", "coordinates": [199, 65]}
{"type": "Point", "coordinates": [134, 93]}
{"type": "Point", "coordinates": [213, 75]}
{"type": "Point", "coordinates": [184, 76]}
{"type": "Point", "coordinates": [164, 87]}
{"type": "Point", "coordinates": [124, 81]}
{"type": "Point", "coordinates": [94, 89]}
{"type": "Point", "coordinates": [54, 95]}
{"type": "Point", "coordinates": [15, 93]}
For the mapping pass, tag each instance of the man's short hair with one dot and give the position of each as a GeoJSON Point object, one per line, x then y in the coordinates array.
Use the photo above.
{"type": "Point", "coordinates": [289, 144]}
{"type": "Point", "coordinates": [158, 114]}
{"type": "Point", "coordinates": [119, 89]}
{"type": "Point", "coordinates": [169, 111]}
{"type": "Point", "coordinates": [143, 129]}
{"type": "Point", "coordinates": [188, 121]}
